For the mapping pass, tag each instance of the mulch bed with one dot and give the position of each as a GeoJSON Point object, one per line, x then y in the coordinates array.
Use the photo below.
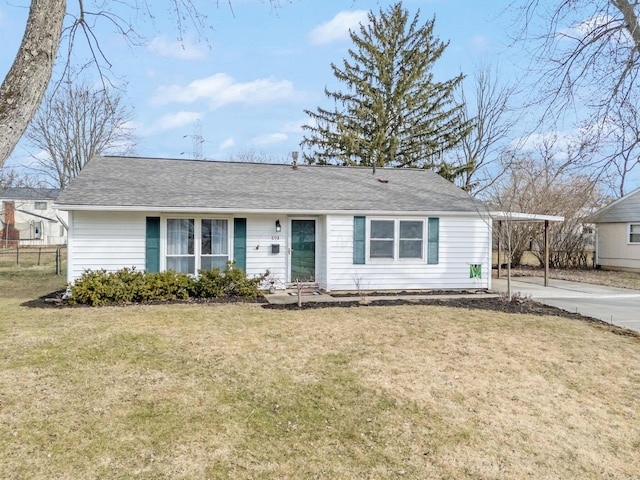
{"type": "Point", "coordinates": [499, 304]}
{"type": "Point", "coordinates": [54, 300]}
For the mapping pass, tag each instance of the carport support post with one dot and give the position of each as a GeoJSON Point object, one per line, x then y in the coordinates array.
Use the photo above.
{"type": "Point", "coordinates": [499, 244]}
{"type": "Point", "coordinates": [546, 253]}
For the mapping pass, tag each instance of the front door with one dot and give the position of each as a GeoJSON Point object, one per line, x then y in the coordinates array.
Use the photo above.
{"type": "Point", "coordinates": [303, 250]}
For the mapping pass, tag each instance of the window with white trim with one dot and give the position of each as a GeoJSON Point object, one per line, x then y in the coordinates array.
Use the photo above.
{"type": "Point", "coordinates": [381, 239]}
{"type": "Point", "coordinates": [180, 245]}
{"type": "Point", "coordinates": [214, 245]}
{"type": "Point", "coordinates": [396, 239]}
{"type": "Point", "coordinates": [634, 233]}
{"type": "Point", "coordinates": [196, 244]}
{"type": "Point", "coordinates": [411, 234]}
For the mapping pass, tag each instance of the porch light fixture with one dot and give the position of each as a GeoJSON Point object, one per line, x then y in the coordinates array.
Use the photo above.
{"type": "Point", "coordinates": [278, 226]}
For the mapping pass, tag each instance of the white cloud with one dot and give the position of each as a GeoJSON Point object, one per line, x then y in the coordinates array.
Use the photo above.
{"type": "Point", "coordinates": [221, 89]}
{"type": "Point", "coordinates": [172, 121]}
{"type": "Point", "coordinates": [228, 143]}
{"type": "Point", "coordinates": [592, 27]}
{"type": "Point", "coordinates": [185, 50]}
{"type": "Point", "coordinates": [294, 127]}
{"type": "Point", "coordinates": [338, 27]}
{"type": "Point", "coordinates": [561, 140]}
{"type": "Point", "coordinates": [269, 139]}
{"type": "Point", "coordinates": [594, 22]}
{"type": "Point", "coordinates": [480, 43]}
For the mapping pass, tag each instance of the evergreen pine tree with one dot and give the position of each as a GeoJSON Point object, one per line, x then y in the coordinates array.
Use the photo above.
{"type": "Point", "coordinates": [392, 111]}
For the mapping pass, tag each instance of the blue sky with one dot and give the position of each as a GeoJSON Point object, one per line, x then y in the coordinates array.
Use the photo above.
{"type": "Point", "coordinates": [246, 85]}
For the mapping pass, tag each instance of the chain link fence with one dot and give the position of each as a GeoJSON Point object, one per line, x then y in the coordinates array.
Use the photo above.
{"type": "Point", "coordinates": [54, 256]}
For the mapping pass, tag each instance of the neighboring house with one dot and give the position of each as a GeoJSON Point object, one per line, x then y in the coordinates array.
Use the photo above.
{"type": "Point", "coordinates": [340, 228]}
{"type": "Point", "coordinates": [618, 234]}
{"type": "Point", "coordinates": [27, 217]}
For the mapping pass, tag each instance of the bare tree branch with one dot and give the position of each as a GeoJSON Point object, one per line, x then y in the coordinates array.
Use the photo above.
{"type": "Point", "coordinates": [26, 83]}
{"type": "Point", "coordinates": [75, 124]}
{"type": "Point", "coordinates": [493, 121]}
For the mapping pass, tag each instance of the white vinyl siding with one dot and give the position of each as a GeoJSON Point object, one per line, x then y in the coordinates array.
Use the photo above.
{"type": "Point", "coordinates": [114, 240]}
{"type": "Point", "coordinates": [322, 252]}
{"type": "Point", "coordinates": [463, 240]}
{"type": "Point", "coordinates": [108, 240]}
{"type": "Point", "coordinates": [261, 234]}
{"type": "Point", "coordinates": [614, 250]}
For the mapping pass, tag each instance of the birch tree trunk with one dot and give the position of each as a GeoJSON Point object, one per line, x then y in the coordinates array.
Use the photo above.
{"type": "Point", "coordinates": [26, 83]}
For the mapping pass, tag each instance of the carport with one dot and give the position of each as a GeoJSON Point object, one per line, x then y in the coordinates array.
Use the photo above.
{"type": "Point", "coordinates": [514, 217]}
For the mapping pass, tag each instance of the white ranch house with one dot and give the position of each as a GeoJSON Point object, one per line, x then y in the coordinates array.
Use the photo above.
{"type": "Point", "coordinates": [618, 234]}
{"type": "Point", "coordinates": [339, 228]}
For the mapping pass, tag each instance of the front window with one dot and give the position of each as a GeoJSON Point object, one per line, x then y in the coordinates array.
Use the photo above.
{"type": "Point", "coordinates": [214, 251]}
{"type": "Point", "coordinates": [381, 239]}
{"type": "Point", "coordinates": [411, 239]}
{"type": "Point", "coordinates": [180, 245]}
{"type": "Point", "coordinates": [396, 239]}
{"type": "Point", "coordinates": [634, 233]}
{"type": "Point", "coordinates": [40, 206]}
{"type": "Point", "coordinates": [197, 244]}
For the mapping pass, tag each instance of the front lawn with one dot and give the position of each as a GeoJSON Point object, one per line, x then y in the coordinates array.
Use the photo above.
{"type": "Point", "coordinates": [236, 391]}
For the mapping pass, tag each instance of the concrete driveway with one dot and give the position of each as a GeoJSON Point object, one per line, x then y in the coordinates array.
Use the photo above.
{"type": "Point", "coordinates": [619, 306]}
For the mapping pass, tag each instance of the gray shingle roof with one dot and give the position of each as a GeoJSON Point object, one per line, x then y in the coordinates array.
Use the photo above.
{"type": "Point", "coordinates": [624, 209]}
{"type": "Point", "coordinates": [156, 184]}
{"type": "Point", "coordinates": [29, 193]}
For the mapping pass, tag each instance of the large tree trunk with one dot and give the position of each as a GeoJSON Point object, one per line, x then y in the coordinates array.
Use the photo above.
{"type": "Point", "coordinates": [25, 84]}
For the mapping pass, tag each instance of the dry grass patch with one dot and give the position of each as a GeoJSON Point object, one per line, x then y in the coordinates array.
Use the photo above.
{"type": "Point", "coordinates": [597, 277]}
{"type": "Point", "coordinates": [236, 391]}
{"type": "Point", "coordinates": [33, 277]}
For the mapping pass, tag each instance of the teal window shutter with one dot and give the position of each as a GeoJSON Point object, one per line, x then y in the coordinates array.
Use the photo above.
{"type": "Point", "coordinates": [359, 240]}
{"type": "Point", "coordinates": [433, 241]}
{"type": "Point", "coordinates": [152, 245]}
{"type": "Point", "coordinates": [240, 243]}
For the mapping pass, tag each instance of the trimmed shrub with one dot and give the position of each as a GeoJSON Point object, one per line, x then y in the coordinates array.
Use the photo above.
{"type": "Point", "coordinates": [169, 285]}
{"type": "Point", "coordinates": [97, 288]}
{"type": "Point", "coordinates": [210, 284]}
{"type": "Point", "coordinates": [232, 283]}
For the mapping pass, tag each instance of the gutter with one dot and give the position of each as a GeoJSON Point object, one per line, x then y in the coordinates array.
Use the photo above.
{"type": "Point", "coordinates": [272, 211]}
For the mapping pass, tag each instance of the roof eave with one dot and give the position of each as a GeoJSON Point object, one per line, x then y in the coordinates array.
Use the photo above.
{"type": "Point", "coordinates": [524, 217]}
{"type": "Point", "coordinates": [271, 211]}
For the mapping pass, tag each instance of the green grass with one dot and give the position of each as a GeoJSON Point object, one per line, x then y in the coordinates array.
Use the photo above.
{"type": "Point", "coordinates": [237, 391]}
